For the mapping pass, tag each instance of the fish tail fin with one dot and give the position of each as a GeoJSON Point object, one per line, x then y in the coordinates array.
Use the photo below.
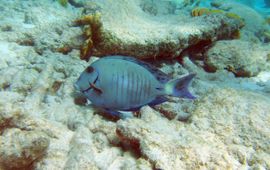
{"type": "Point", "coordinates": [179, 87]}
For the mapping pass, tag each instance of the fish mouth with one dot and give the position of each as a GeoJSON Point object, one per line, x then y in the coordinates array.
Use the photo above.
{"type": "Point", "coordinates": [91, 86]}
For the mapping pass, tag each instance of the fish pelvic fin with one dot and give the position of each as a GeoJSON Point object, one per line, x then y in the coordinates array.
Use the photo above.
{"type": "Point", "coordinates": [179, 87]}
{"type": "Point", "coordinates": [120, 114]}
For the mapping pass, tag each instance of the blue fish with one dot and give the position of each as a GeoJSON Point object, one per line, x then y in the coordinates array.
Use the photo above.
{"type": "Point", "coordinates": [120, 83]}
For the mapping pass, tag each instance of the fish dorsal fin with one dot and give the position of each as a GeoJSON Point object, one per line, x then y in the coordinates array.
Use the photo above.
{"type": "Point", "coordinates": [160, 76]}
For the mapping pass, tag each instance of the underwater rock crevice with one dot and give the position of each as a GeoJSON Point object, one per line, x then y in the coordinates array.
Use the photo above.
{"type": "Point", "coordinates": [247, 62]}
{"type": "Point", "coordinates": [151, 36]}
{"type": "Point", "coordinates": [28, 144]}
{"type": "Point", "coordinates": [132, 145]}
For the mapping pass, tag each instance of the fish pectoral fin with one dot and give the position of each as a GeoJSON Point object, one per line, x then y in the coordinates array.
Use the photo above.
{"type": "Point", "coordinates": [98, 90]}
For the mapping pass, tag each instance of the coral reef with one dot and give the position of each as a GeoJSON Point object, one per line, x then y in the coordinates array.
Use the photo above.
{"type": "Point", "coordinates": [243, 63]}
{"type": "Point", "coordinates": [19, 148]}
{"type": "Point", "coordinates": [199, 11]}
{"type": "Point", "coordinates": [37, 108]}
{"type": "Point", "coordinates": [150, 36]}
{"type": "Point", "coordinates": [63, 2]}
{"type": "Point", "coordinates": [92, 34]}
{"type": "Point", "coordinates": [45, 124]}
{"type": "Point", "coordinates": [254, 21]}
{"type": "Point", "coordinates": [265, 37]}
{"type": "Point", "coordinates": [217, 136]}
{"type": "Point", "coordinates": [45, 26]}
{"type": "Point", "coordinates": [159, 7]}
{"type": "Point", "coordinates": [172, 110]}
{"type": "Point", "coordinates": [37, 100]}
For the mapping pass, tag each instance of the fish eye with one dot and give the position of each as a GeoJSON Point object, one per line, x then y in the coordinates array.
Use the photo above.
{"type": "Point", "coordinates": [89, 69]}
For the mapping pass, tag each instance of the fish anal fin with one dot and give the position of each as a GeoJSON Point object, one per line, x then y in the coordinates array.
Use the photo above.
{"type": "Point", "coordinates": [158, 100]}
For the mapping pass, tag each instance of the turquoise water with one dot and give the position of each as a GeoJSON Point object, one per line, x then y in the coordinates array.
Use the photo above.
{"type": "Point", "coordinates": [262, 6]}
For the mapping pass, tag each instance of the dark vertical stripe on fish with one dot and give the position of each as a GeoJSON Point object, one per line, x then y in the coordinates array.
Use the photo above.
{"type": "Point", "coordinates": [140, 79]}
{"type": "Point", "coordinates": [134, 87]}
{"type": "Point", "coordinates": [141, 88]}
{"type": "Point", "coordinates": [117, 86]}
{"type": "Point", "coordinates": [134, 75]}
{"type": "Point", "coordinates": [147, 88]}
{"type": "Point", "coordinates": [127, 88]}
{"type": "Point", "coordinates": [113, 84]}
{"type": "Point", "coordinates": [136, 79]}
{"type": "Point", "coordinates": [130, 88]}
{"type": "Point", "coordinates": [148, 91]}
{"type": "Point", "coordinates": [138, 83]}
{"type": "Point", "coordinates": [121, 96]}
